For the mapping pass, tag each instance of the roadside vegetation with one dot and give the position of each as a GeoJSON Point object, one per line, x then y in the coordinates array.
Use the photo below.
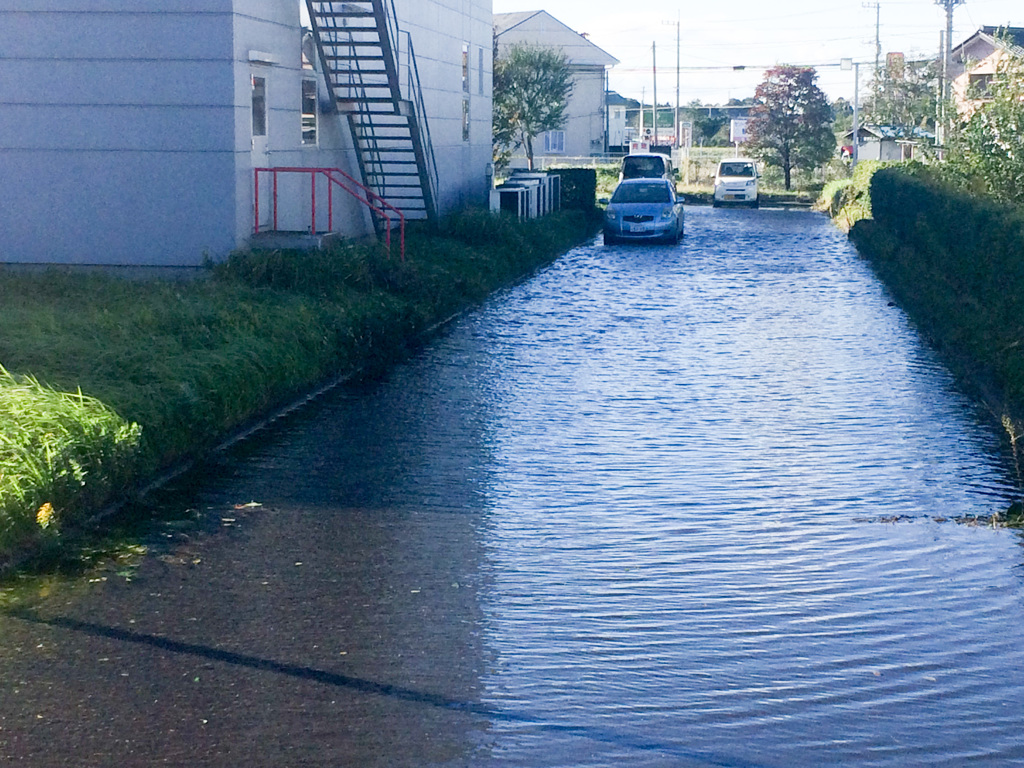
{"type": "Point", "coordinates": [947, 238]}
{"type": "Point", "coordinates": [112, 380]}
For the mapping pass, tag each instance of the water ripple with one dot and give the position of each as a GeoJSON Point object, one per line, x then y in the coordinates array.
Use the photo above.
{"type": "Point", "coordinates": [688, 448]}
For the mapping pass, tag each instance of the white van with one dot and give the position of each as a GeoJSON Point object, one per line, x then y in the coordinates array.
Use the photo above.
{"type": "Point", "coordinates": [646, 165]}
{"type": "Point", "coordinates": [736, 182]}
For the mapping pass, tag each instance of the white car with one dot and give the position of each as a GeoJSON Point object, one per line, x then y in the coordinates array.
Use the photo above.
{"type": "Point", "coordinates": [736, 182]}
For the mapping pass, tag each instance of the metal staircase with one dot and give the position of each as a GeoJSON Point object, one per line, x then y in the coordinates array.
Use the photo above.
{"type": "Point", "coordinates": [370, 67]}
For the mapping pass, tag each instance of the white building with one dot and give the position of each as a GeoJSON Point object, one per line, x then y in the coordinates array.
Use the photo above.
{"type": "Point", "coordinates": [129, 132]}
{"type": "Point", "coordinates": [586, 126]}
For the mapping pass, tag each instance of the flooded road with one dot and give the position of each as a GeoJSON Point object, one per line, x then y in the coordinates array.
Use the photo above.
{"type": "Point", "coordinates": [666, 506]}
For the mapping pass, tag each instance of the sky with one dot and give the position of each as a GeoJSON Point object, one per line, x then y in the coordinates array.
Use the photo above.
{"type": "Point", "coordinates": [714, 37]}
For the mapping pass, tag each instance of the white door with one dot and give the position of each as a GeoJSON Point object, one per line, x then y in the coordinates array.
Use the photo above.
{"type": "Point", "coordinates": [260, 154]}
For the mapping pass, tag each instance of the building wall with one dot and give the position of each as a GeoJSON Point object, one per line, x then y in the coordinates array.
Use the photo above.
{"type": "Point", "coordinates": [267, 43]}
{"type": "Point", "coordinates": [116, 131]}
{"type": "Point", "coordinates": [981, 60]}
{"type": "Point", "coordinates": [585, 124]}
{"type": "Point", "coordinates": [126, 133]}
{"type": "Point", "coordinates": [439, 29]}
{"type": "Point", "coordinates": [585, 128]}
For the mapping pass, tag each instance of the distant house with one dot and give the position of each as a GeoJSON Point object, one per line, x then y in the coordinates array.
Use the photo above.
{"type": "Point", "coordinates": [131, 133]}
{"type": "Point", "coordinates": [886, 142]}
{"type": "Point", "coordinates": [976, 60]}
{"type": "Point", "coordinates": [618, 133]}
{"type": "Point", "coordinates": [585, 131]}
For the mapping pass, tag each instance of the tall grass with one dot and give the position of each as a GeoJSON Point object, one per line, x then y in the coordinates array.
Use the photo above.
{"type": "Point", "coordinates": [192, 361]}
{"type": "Point", "coordinates": [60, 454]}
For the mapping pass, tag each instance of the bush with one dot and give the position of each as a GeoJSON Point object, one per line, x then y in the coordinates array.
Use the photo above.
{"type": "Point", "coordinates": [956, 264]}
{"type": "Point", "coordinates": [848, 201]}
{"type": "Point", "coordinates": [579, 187]}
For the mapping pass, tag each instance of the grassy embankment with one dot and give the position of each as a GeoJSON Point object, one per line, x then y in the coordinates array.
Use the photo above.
{"type": "Point", "coordinates": [169, 368]}
{"type": "Point", "coordinates": [955, 263]}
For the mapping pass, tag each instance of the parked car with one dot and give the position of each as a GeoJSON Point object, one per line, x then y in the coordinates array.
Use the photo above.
{"type": "Point", "coordinates": [644, 210]}
{"type": "Point", "coordinates": [646, 165]}
{"type": "Point", "coordinates": [736, 182]}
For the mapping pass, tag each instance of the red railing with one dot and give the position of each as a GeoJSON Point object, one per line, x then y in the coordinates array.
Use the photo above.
{"type": "Point", "coordinates": [334, 177]}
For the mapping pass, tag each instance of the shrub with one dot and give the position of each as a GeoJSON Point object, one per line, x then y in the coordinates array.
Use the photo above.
{"type": "Point", "coordinates": [579, 187]}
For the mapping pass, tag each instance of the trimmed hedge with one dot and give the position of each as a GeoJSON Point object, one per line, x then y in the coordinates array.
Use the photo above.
{"type": "Point", "coordinates": [956, 265]}
{"type": "Point", "coordinates": [579, 187]}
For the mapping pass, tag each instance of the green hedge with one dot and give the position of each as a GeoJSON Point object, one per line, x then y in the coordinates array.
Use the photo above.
{"type": "Point", "coordinates": [956, 265]}
{"type": "Point", "coordinates": [579, 187]}
{"type": "Point", "coordinates": [848, 201]}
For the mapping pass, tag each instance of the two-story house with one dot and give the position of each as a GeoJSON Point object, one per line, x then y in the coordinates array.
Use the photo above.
{"type": "Point", "coordinates": [586, 127]}
{"type": "Point", "coordinates": [131, 133]}
{"type": "Point", "coordinates": [976, 61]}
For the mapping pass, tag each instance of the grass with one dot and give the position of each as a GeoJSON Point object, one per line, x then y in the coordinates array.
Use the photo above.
{"type": "Point", "coordinates": [169, 368]}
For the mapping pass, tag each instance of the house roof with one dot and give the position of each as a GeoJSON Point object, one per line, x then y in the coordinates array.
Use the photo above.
{"type": "Point", "coordinates": [541, 28]}
{"type": "Point", "coordinates": [614, 99]}
{"type": "Point", "coordinates": [992, 38]}
{"type": "Point", "coordinates": [893, 132]}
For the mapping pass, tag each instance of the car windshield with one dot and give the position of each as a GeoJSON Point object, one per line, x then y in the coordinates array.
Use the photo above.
{"type": "Point", "coordinates": [642, 167]}
{"type": "Point", "coordinates": [736, 169]}
{"type": "Point", "coordinates": [642, 193]}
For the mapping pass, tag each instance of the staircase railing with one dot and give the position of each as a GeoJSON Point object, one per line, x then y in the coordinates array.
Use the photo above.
{"type": "Point", "coordinates": [408, 88]}
{"type": "Point", "coordinates": [335, 177]}
{"type": "Point", "coordinates": [421, 125]}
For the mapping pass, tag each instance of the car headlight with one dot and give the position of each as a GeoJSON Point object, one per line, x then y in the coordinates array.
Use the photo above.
{"type": "Point", "coordinates": [666, 214]}
{"type": "Point", "coordinates": [751, 183]}
{"type": "Point", "coordinates": [610, 215]}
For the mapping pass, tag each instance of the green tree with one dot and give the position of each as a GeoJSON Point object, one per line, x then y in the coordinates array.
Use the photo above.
{"type": "Point", "coordinates": [988, 150]}
{"type": "Point", "coordinates": [532, 86]}
{"type": "Point", "coordinates": [790, 125]}
{"type": "Point", "coordinates": [903, 96]}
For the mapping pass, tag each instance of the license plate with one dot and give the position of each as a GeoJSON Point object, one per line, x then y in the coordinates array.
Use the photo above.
{"type": "Point", "coordinates": [734, 197]}
{"type": "Point", "coordinates": [640, 227]}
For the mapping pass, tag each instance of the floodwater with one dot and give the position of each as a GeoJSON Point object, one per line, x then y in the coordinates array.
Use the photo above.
{"type": "Point", "coordinates": [671, 506]}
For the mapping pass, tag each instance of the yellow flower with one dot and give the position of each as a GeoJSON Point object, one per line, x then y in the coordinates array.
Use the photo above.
{"type": "Point", "coordinates": [45, 515]}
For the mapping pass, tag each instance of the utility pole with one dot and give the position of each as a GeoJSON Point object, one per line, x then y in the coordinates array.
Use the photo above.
{"type": "Point", "coordinates": [654, 62]}
{"type": "Point", "coordinates": [878, 49]}
{"type": "Point", "coordinates": [947, 48]}
{"type": "Point", "coordinates": [947, 65]}
{"type": "Point", "coordinates": [675, 129]}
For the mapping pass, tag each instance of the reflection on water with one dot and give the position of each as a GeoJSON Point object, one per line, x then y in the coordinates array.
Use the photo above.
{"type": "Point", "coordinates": [629, 513]}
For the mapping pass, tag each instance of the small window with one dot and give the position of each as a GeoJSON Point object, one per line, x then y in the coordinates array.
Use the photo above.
{"type": "Point", "coordinates": [554, 143]}
{"type": "Point", "coordinates": [259, 106]}
{"type": "Point", "coordinates": [480, 70]}
{"type": "Point", "coordinates": [309, 113]}
{"type": "Point", "coordinates": [465, 119]}
{"type": "Point", "coordinates": [980, 86]}
{"type": "Point", "coordinates": [465, 67]}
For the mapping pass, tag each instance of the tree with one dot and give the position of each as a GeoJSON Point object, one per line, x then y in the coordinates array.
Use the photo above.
{"type": "Point", "coordinates": [904, 96]}
{"type": "Point", "coordinates": [790, 125]}
{"type": "Point", "coordinates": [988, 150]}
{"type": "Point", "coordinates": [532, 86]}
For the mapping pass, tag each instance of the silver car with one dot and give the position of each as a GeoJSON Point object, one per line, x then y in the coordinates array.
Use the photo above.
{"type": "Point", "coordinates": [644, 210]}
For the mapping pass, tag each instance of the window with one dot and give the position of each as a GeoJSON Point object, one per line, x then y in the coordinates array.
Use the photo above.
{"type": "Point", "coordinates": [480, 70]}
{"type": "Point", "coordinates": [309, 113]}
{"type": "Point", "coordinates": [554, 143]}
{"type": "Point", "coordinates": [259, 106]}
{"type": "Point", "coordinates": [465, 119]}
{"type": "Point", "coordinates": [980, 86]}
{"type": "Point", "coordinates": [465, 67]}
